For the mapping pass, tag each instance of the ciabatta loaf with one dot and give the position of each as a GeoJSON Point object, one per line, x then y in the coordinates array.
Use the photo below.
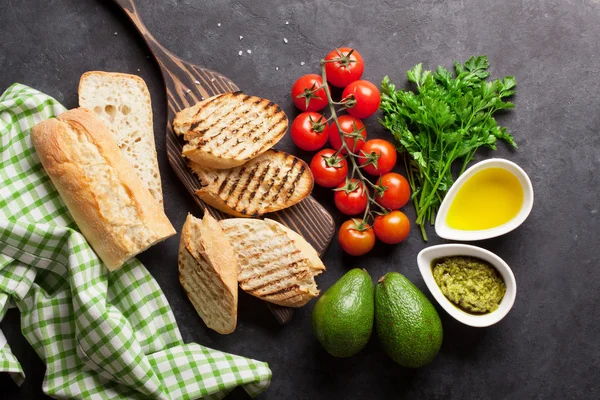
{"type": "Point", "coordinates": [270, 182]}
{"type": "Point", "coordinates": [110, 204]}
{"type": "Point", "coordinates": [275, 263]}
{"type": "Point", "coordinates": [122, 102]}
{"type": "Point", "coordinates": [208, 272]}
{"type": "Point", "coordinates": [229, 129]}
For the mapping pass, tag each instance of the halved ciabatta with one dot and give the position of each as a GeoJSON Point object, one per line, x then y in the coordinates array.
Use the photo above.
{"type": "Point", "coordinates": [208, 272]}
{"type": "Point", "coordinates": [275, 263]}
{"type": "Point", "coordinates": [267, 183]}
{"type": "Point", "coordinates": [229, 129]}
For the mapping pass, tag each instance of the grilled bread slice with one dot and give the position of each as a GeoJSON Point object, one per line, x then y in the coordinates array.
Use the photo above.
{"type": "Point", "coordinates": [275, 263]}
{"type": "Point", "coordinates": [208, 272]}
{"type": "Point", "coordinates": [267, 183]}
{"type": "Point", "coordinates": [230, 129]}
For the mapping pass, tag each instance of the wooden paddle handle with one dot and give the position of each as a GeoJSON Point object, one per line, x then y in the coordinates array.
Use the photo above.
{"type": "Point", "coordinates": [186, 84]}
{"type": "Point", "coordinates": [159, 51]}
{"type": "Point", "coordinates": [127, 5]}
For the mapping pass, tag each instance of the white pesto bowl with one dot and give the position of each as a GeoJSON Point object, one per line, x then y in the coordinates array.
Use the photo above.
{"type": "Point", "coordinates": [444, 231]}
{"type": "Point", "coordinates": [428, 255]}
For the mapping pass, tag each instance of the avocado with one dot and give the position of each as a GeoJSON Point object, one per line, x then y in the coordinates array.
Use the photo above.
{"type": "Point", "coordinates": [342, 319]}
{"type": "Point", "coordinates": [407, 324]}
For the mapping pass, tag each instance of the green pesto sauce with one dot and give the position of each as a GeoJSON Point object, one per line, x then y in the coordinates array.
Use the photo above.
{"type": "Point", "coordinates": [470, 283]}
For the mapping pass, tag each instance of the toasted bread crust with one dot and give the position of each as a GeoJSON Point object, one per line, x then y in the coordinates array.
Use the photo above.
{"type": "Point", "coordinates": [106, 74]}
{"type": "Point", "coordinates": [203, 158]}
{"type": "Point", "coordinates": [230, 129]}
{"type": "Point", "coordinates": [208, 272]}
{"type": "Point", "coordinates": [309, 252]}
{"type": "Point", "coordinates": [111, 206]}
{"type": "Point", "coordinates": [271, 182]}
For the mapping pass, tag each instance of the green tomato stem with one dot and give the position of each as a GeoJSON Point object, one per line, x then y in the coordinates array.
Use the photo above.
{"type": "Point", "coordinates": [350, 155]}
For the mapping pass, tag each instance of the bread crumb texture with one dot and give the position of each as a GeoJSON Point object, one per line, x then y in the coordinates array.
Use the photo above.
{"type": "Point", "coordinates": [123, 103]}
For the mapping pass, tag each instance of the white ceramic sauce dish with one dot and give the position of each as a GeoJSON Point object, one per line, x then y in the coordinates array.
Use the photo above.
{"type": "Point", "coordinates": [444, 231]}
{"type": "Point", "coordinates": [428, 255]}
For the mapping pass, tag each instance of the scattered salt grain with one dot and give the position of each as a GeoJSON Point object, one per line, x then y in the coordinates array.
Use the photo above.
{"type": "Point", "coordinates": [188, 90]}
{"type": "Point", "coordinates": [219, 24]}
{"type": "Point", "coordinates": [115, 33]}
{"type": "Point", "coordinates": [249, 51]}
{"type": "Point", "coordinates": [276, 68]}
{"type": "Point", "coordinates": [241, 37]}
{"type": "Point", "coordinates": [212, 79]}
{"type": "Point", "coordinates": [302, 63]}
{"type": "Point", "coordinates": [138, 70]}
{"type": "Point", "coordinates": [197, 82]}
{"type": "Point", "coordinates": [240, 53]}
{"type": "Point", "coordinates": [287, 22]}
{"type": "Point", "coordinates": [285, 40]}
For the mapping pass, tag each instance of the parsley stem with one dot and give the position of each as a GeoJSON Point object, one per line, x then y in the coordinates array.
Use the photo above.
{"type": "Point", "coordinates": [448, 117]}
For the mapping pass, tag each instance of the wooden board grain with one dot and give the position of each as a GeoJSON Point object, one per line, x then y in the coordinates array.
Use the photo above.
{"type": "Point", "coordinates": [186, 84]}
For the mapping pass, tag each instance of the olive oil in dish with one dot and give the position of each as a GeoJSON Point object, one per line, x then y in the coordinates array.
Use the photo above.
{"type": "Point", "coordinates": [490, 198]}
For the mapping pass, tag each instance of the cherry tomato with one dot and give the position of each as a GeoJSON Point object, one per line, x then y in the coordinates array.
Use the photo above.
{"type": "Point", "coordinates": [308, 93]}
{"type": "Point", "coordinates": [350, 126]}
{"type": "Point", "coordinates": [356, 237]}
{"type": "Point", "coordinates": [328, 171]}
{"type": "Point", "coordinates": [392, 228]}
{"type": "Point", "coordinates": [347, 66]}
{"type": "Point", "coordinates": [379, 156]}
{"type": "Point", "coordinates": [397, 193]}
{"type": "Point", "coordinates": [351, 197]}
{"type": "Point", "coordinates": [363, 98]}
{"type": "Point", "coordinates": [310, 131]}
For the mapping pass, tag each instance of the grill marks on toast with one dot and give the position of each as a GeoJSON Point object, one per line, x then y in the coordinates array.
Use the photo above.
{"type": "Point", "coordinates": [292, 187]}
{"type": "Point", "coordinates": [267, 183]}
{"type": "Point", "coordinates": [199, 286]}
{"type": "Point", "coordinates": [231, 126]}
{"type": "Point", "coordinates": [251, 279]}
{"type": "Point", "coordinates": [208, 272]}
{"type": "Point", "coordinates": [271, 266]}
{"type": "Point", "coordinates": [198, 116]}
{"type": "Point", "coordinates": [228, 117]}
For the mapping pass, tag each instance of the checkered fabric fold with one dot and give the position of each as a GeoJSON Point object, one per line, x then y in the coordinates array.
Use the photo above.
{"type": "Point", "coordinates": [105, 335]}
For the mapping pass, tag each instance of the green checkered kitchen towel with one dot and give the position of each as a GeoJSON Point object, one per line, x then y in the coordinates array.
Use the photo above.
{"type": "Point", "coordinates": [105, 335]}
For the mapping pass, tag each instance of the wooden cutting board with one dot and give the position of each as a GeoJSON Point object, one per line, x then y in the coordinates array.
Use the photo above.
{"type": "Point", "coordinates": [187, 84]}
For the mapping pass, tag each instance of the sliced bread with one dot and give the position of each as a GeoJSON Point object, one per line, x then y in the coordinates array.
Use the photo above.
{"type": "Point", "coordinates": [270, 182]}
{"type": "Point", "coordinates": [230, 129]}
{"type": "Point", "coordinates": [275, 263]}
{"type": "Point", "coordinates": [208, 272]}
{"type": "Point", "coordinates": [123, 103]}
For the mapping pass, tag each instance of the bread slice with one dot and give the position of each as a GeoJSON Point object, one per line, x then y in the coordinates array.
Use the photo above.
{"type": "Point", "coordinates": [275, 263]}
{"type": "Point", "coordinates": [267, 183]}
{"type": "Point", "coordinates": [208, 272]}
{"type": "Point", "coordinates": [122, 102]}
{"type": "Point", "coordinates": [111, 206]}
{"type": "Point", "coordinates": [230, 129]}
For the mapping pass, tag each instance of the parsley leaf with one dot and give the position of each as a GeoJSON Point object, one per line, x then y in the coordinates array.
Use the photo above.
{"type": "Point", "coordinates": [447, 118]}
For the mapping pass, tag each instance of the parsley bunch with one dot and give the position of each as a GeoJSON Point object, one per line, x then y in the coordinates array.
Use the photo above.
{"type": "Point", "coordinates": [446, 119]}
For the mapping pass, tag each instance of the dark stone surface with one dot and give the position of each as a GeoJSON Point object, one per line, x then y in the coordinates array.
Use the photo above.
{"type": "Point", "coordinates": [547, 347]}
